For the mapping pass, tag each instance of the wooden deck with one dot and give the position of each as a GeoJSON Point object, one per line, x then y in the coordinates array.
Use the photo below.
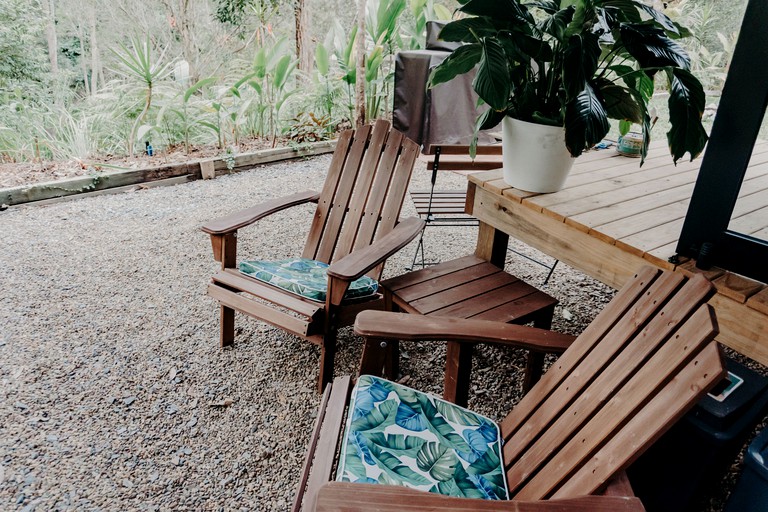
{"type": "Point", "coordinates": [614, 216]}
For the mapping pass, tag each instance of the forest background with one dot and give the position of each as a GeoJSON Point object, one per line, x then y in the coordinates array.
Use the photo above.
{"type": "Point", "coordinates": [87, 79]}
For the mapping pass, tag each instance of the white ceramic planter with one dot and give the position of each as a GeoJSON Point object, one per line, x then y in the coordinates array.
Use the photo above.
{"type": "Point", "coordinates": [534, 155]}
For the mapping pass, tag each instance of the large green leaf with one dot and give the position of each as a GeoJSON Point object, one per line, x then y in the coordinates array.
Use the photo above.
{"type": "Point", "coordinates": [619, 102]}
{"type": "Point", "coordinates": [460, 485]}
{"type": "Point", "coordinates": [379, 418]}
{"type": "Point", "coordinates": [459, 62]}
{"type": "Point", "coordinates": [686, 106]}
{"type": "Point", "coordinates": [400, 443]}
{"type": "Point", "coordinates": [395, 469]}
{"type": "Point", "coordinates": [580, 58]}
{"type": "Point", "coordinates": [322, 59]}
{"type": "Point", "coordinates": [507, 10]}
{"type": "Point", "coordinates": [353, 464]}
{"type": "Point", "coordinates": [651, 47]}
{"type": "Point", "coordinates": [457, 415]}
{"type": "Point", "coordinates": [659, 17]}
{"type": "Point", "coordinates": [586, 121]}
{"type": "Point", "coordinates": [492, 79]}
{"type": "Point", "coordinates": [620, 10]}
{"type": "Point", "coordinates": [389, 12]}
{"type": "Point", "coordinates": [468, 30]}
{"type": "Point", "coordinates": [437, 460]}
{"type": "Point", "coordinates": [489, 119]}
{"type": "Point", "coordinates": [523, 47]}
{"type": "Point", "coordinates": [199, 85]}
{"type": "Point", "coordinates": [441, 428]}
{"type": "Point", "coordinates": [548, 6]}
{"type": "Point", "coordinates": [557, 23]}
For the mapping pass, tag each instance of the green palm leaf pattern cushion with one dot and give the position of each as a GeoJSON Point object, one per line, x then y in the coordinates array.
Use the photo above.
{"type": "Point", "coordinates": [304, 277]}
{"type": "Point", "coordinates": [396, 435]}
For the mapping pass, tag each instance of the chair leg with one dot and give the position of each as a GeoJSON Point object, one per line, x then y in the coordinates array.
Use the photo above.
{"type": "Point", "coordinates": [327, 353]}
{"type": "Point", "coordinates": [458, 367]}
{"type": "Point", "coordinates": [534, 368]}
{"type": "Point", "coordinates": [380, 358]}
{"type": "Point", "coordinates": [227, 328]}
{"type": "Point", "coordinates": [534, 364]}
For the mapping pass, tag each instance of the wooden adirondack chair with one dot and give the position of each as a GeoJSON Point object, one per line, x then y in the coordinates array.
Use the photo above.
{"type": "Point", "coordinates": [355, 228]}
{"type": "Point", "coordinates": [636, 369]}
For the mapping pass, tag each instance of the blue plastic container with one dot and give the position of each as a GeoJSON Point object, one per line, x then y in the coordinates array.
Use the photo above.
{"type": "Point", "coordinates": [751, 493]}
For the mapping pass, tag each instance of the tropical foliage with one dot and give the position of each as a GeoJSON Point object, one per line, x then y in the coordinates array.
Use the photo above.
{"type": "Point", "coordinates": [577, 63]}
{"type": "Point", "coordinates": [396, 435]}
{"type": "Point", "coordinates": [79, 81]}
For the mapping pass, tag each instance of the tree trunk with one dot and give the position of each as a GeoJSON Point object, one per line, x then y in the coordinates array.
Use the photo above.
{"type": "Point", "coordinates": [50, 35]}
{"type": "Point", "coordinates": [303, 46]}
{"type": "Point", "coordinates": [95, 58]}
{"type": "Point", "coordinates": [83, 65]}
{"type": "Point", "coordinates": [185, 24]}
{"type": "Point", "coordinates": [360, 65]}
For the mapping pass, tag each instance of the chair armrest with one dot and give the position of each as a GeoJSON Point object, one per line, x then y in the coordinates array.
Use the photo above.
{"type": "Point", "coordinates": [357, 263]}
{"type": "Point", "coordinates": [402, 326]}
{"type": "Point", "coordinates": [354, 497]}
{"type": "Point", "coordinates": [235, 221]}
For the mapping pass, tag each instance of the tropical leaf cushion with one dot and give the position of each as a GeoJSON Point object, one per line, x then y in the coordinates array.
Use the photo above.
{"type": "Point", "coordinates": [304, 277]}
{"type": "Point", "coordinates": [396, 435]}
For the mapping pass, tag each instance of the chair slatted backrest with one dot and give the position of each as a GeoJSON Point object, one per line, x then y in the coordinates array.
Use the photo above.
{"type": "Point", "coordinates": [631, 374]}
{"type": "Point", "coordinates": [363, 193]}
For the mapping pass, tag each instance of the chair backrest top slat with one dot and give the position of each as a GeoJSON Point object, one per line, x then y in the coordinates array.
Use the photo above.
{"type": "Point", "coordinates": [362, 187]}
{"type": "Point", "coordinates": [655, 327]}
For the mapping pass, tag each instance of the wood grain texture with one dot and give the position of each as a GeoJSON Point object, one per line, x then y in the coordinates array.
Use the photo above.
{"type": "Point", "coordinates": [736, 287]}
{"type": "Point", "coordinates": [349, 497]}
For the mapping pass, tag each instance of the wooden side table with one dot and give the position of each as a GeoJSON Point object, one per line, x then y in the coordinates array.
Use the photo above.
{"type": "Point", "coordinates": [468, 287]}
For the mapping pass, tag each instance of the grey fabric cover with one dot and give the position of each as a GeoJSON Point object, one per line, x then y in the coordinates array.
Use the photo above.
{"type": "Point", "coordinates": [443, 115]}
{"type": "Point", "coordinates": [433, 37]}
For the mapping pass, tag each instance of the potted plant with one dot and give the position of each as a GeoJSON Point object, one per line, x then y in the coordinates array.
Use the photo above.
{"type": "Point", "coordinates": [557, 70]}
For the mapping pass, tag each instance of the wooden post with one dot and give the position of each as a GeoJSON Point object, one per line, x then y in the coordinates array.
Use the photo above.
{"type": "Point", "coordinates": [492, 245]}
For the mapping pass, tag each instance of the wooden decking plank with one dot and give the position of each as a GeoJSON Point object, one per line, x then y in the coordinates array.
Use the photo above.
{"type": "Point", "coordinates": [572, 201]}
{"type": "Point", "coordinates": [612, 169]}
{"type": "Point", "coordinates": [631, 191]}
{"type": "Point", "coordinates": [738, 288]}
{"type": "Point", "coordinates": [592, 219]}
{"type": "Point", "coordinates": [750, 223]}
{"type": "Point", "coordinates": [759, 302]}
{"type": "Point", "coordinates": [591, 189]}
{"type": "Point", "coordinates": [615, 191]}
{"type": "Point", "coordinates": [761, 234]}
{"type": "Point", "coordinates": [648, 219]}
{"type": "Point", "coordinates": [650, 239]}
{"type": "Point", "coordinates": [660, 255]}
{"type": "Point", "coordinates": [689, 269]}
{"type": "Point", "coordinates": [609, 213]}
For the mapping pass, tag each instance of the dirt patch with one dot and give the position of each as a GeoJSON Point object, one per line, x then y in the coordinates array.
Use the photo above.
{"type": "Point", "coordinates": [26, 173]}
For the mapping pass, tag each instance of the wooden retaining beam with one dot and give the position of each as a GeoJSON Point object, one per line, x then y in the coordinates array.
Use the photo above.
{"type": "Point", "coordinates": [186, 171]}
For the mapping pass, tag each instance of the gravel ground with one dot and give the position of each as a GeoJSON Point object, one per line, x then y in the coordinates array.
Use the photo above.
{"type": "Point", "coordinates": [115, 395]}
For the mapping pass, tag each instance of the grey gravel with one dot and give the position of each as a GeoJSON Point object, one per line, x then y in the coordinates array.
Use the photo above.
{"type": "Point", "coordinates": [115, 394]}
